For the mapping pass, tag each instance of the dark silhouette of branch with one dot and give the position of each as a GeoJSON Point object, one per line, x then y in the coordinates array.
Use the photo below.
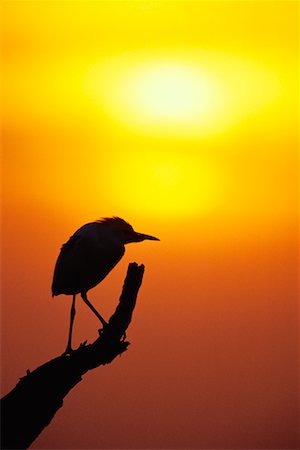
{"type": "Point", "coordinates": [32, 404]}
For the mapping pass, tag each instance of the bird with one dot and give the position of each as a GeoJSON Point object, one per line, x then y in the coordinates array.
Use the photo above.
{"type": "Point", "coordinates": [86, 259]}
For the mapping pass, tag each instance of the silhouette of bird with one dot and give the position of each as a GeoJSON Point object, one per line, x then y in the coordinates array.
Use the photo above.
{"type": "Point", "coordinates": [88, 256]}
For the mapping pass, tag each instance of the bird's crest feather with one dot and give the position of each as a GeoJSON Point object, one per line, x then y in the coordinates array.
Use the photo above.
{"type": "Point", "coordinates": [113, 219]}
{"type": "Point", "coordinates": [115, 222]}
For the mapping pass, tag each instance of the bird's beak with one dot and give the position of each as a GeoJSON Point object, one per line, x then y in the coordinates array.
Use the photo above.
{"type": "Point", "coordinates": [142, 237]}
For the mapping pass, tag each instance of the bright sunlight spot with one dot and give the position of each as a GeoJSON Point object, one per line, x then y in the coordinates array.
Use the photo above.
{"type": "Point", "coordinates": [172, 93]}
{"type": "Point", "coordinates": [192, 96]}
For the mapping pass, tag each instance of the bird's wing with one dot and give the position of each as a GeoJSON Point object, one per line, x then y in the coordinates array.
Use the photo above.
{"type": "Point", "coordinates": [82, 263]}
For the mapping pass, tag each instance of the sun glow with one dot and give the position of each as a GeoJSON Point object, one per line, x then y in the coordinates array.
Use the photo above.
{"type": "Point", "coordinates": [166, 185]}
{"type": "Point", "coordinates": [191, 96]}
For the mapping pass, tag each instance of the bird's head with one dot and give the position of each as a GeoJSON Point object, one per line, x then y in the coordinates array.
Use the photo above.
{"type": "Point", "coordinates": [124, 232]}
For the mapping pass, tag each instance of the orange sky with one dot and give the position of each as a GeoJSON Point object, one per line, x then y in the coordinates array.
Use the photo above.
{"type": "Point", "coordinates": [180, 117]}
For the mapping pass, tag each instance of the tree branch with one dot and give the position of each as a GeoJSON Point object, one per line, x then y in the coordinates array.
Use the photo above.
{"type": "Point", "coordinates": [32, 404]}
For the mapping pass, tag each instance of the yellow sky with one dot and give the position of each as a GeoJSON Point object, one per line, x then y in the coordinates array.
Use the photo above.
{"type": "Point", "coordinates": [156, 121]}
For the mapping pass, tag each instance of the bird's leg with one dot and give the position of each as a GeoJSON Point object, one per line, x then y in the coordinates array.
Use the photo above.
{"type": "Point", "coordinates": [69, 350]}
{"type": "Point", "coordinates": [85, 299]}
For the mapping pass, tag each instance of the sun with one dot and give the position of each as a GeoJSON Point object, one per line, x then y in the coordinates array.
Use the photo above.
{"type": "Point", "coordinates": [190, 95]}
{"type": "Point", "coordinates": [160, 97]}
{"type": "Point", "coordinates": [172, 92]}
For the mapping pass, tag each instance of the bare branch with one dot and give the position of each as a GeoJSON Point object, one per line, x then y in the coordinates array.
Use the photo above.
{"type": "Point", "coordinates": [32, 404]}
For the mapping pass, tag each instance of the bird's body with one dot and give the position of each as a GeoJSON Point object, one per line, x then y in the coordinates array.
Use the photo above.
{"type": "Point", "coordinates": [88, 256]}
{"type": "Point", "coordinates": [85, 260]}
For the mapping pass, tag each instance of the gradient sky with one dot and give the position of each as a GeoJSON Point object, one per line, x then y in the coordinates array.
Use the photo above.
{"type": "Point", "coordinates": [182, 118]}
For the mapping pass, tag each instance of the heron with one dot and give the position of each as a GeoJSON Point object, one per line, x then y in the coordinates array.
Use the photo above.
{"type": "Point", "coordinates": [86, 259]}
